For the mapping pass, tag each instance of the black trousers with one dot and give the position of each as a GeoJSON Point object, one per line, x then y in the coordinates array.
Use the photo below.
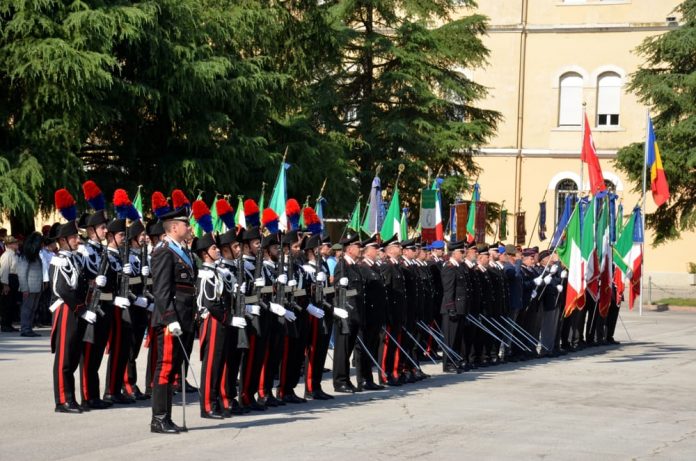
{"type": "Point", "coordinates": [389, 353]}
{"type": "Point", "coordinates": [232, 361]}
{"type": "Point", "coordinates": [592, 318]}
{"type": "Point", "coordinates": [119, 352]}
{"type": "Point", "coordinates": [93, 353]}
{"type": "Point", "coordinates": [151, 345]}
{"type": "Point", "coordinates": [9, 303]}
{"type": "Point", "coordinates": [252, 360]}
{"type": "Point", "coordinates": [612, 318]}
{"type": "Point", "coordinates": [140, 318]}
{"type": "Point", "coordinates": [453, 330]}
{"type": "Point", "coordinates": [213, 345]}
{"type": "Point", "coordinates": [316, 352]}
{"type": "Point", "coordinates": [343, 348]}
{"type": "Point", "coordinates": [271, 360]}
{"type": "Point", "coordinates": [169, 359]}
{"type": "Point", "coordinates": [371, 335]}
{"type": "Point", "coordinates": [66, 341]}
{"type": "Point", "coordinates": [293, 356]}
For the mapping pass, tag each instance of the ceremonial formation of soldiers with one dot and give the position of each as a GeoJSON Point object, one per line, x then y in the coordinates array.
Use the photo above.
{"type": "Point", "coordinates": [265, 306]}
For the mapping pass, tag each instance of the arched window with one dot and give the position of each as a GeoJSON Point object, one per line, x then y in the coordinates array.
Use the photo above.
{"type": "Point", "coordinates": [564, 188]}
{"type": "Point", "coordinates": [611, 187]}
{"type": "Point", "coordinates": [570, 100]}
{"type": "Point", "coordinates": [608, 99]}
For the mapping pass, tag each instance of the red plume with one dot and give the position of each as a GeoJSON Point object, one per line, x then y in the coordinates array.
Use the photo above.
{"type": "Point", "coordinates": [179, 198]}
{"type": "Point", "coordinates": [200, 209]}
{"type": "Point", "coordinates": [310, 216]}
{"type": "Point", "coordinates": [121, 198]}
{"type": "Point", "coordinates": [90, 189]}
{"type": "Point", "coordinates": [292, 207]}
{"type": "Point", "coordinates": [63, 199]}
{"type": "Point", "coordinates": [158, 200]}
{"type": "Point", "coordinates": [250, 207]}
{"type": "Point", "coordinates": [222, 207]}
{"type": "Point", "coordinates": [269, 216]}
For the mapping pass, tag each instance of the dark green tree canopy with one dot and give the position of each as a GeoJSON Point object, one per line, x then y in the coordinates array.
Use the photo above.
{"type": "Point", "coordinates": [667, 83]}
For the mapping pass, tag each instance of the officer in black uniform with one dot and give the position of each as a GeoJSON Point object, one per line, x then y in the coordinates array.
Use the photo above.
{"type": "Point", "coordinates": [173, 278]}
{"type": "Point", "coordinates": [347, 277]}
{"type": "Point", "coordinates": [454, 307]}
{"type": "Point", "coordinates": [394, 282]}
{"type": "Point", "coordinates": [375, 316]}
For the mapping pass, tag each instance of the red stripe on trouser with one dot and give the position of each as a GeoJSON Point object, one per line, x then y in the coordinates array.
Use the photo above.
{"type": "Point", "coordinates": [385, 351]}
{"type": "Point", "coordinates": [167, 357]}
{"type": "Point", "coordinates": [126, 382]}
{"type": "Point", "coordinates": [204, 331]}
{"type": "Point", "coordinates": [209, 363]}
{"type": "Point", "coordinates": [223, 387]}
{"type": "Point", "coordinates": [64, 310]}
{"type": "Point", "coordinates": [115, 352]}
{"type": "Point", "coordinates": [246, 398]}
{"type": "Point", "coordinates": [284, 367]}
{"type": "Point", "coordinates": [312, 350]}
{"type": "Point", "coordinates": [85, 368]}
{"type": "Point", "coordinates": [262, 379]}
{"type": "Point", "coordinates": [395, 371]}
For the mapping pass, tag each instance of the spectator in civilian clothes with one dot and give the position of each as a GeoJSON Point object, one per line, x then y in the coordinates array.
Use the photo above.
{"type": "Point", "coordinates": [30, 272]}
{"type": "Point", "coordinates": [10, 285]}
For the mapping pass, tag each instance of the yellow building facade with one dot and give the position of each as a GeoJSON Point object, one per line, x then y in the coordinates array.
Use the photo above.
{"type": "Point", "coordinates": [549, 61]}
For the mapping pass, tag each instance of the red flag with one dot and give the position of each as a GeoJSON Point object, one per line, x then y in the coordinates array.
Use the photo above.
{"type": "Point", "coordinates": [589, 156]}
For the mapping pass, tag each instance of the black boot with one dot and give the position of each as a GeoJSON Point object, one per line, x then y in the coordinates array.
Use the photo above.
{"type": "Point", "coordinates": [160, 424]}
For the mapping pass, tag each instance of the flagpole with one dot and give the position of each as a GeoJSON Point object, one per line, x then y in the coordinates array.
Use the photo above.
{"type": "Point", "coordinates": [645, 178]}
{"type": "Point", "coordinates": [581, 189]}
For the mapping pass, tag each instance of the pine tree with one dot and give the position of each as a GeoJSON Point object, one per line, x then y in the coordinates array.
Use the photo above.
{"type": "Point", "coordinates": [667, 83]}
{"type": "Point", "coordinates": [398, 90]}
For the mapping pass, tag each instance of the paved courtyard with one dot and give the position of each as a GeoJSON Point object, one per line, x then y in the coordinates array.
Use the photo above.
{"type": "Point", "coordinates": [633, 401]}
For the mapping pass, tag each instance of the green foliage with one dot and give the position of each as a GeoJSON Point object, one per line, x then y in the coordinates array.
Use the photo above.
{"type": "Point", "coordinates": [667, 83]}
{"type": "Point", "coordinates": [208, 94]}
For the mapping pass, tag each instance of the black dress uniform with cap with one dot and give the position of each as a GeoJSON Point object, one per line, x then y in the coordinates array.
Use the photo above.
{"type": "Point", "coordinates": [120, 338]}
{"type": "Point", "coordinates": [486, 347]}
{"type": "Point", "coordinates": [173, 279]}
{"type": "Point", "coordinates": [412, 281]}
{"type": "Point", "coordinates": [139, 309]}
{"type": "Point", "coordinates": [394, 282]}
{"type": "Point", "coordinates": [68, 291]}
{"type": "Point", "coordinates": [374, 318]}
{"type": "Point", "coordinates": [153, 229]}
{"type": "Point", "coordinates": [319, 334]}
{"type": "Point", "coordinates": [472, 337]}
{"type": "Point", "coordinates": [231, 277]}
{"type": "Point", "coordinates": [346, 268]}
{"type": "Point", "coordinates": [454, 307]}
{"type": "Point", "coordinates": [212, 309]}
{"type": "Point", "coordinates": [91, 253]}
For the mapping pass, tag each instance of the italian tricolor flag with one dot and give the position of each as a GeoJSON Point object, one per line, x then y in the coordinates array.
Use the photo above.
{"type": "Point", "coordinates": [571, 256]}
{"type": "Point", "coordinates": [431, 215]}
{"type": "Point", "coordinates": [589, 250]}
{"type": "Point", "coordinates": [628, 254]}
{"type": "Point", "coordinates": [392, 222]}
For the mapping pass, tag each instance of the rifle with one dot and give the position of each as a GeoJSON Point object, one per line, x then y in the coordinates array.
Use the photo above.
{"type": "Point", "coordinates": [342, 303]}
{"type": "Point", "coordinates": [256, 291]}
{"type": "Point", "coordinates": [239, 303]}
{"type": "Point", "coordinates": [143, 279]}
{"type": "Point", "coordinates": [124, 281]}
{"type": "Point", "coordinates": [279, 297]}
{"type": "Point", "coordinates": [319, 299]}
{"type": "Point", "coordinates": [94, 297]}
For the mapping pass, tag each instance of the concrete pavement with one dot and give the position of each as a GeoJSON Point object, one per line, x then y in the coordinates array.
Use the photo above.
{"type": "Point", "coordinates": [633, 401]}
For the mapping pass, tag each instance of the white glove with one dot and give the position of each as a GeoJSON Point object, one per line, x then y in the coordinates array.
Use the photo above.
{"type": "Point", "coordinates": [315, 311]}
{"type": "Point", "coordinates": [151, 307]}
{"type": "Point", "coordinates": [242, 289]}
{"type": "Point", "coordinates": [538, 280]}
{"type": "Point", "coordinates": [547, 279]}
{"type": "Point", "coordinates": [559, 288]}
{"type": "Point", "coordinates": [259, 282]}
{"type": "Point", "coordinates": [56, 304]}
{"type": "Point", "coordinates": [127, 269]}
{"type": "Point", "coordinates": [564, 274]}
{"type": "Point", "coordinates": [205, 314]}
{"type": "Point", "coordinates": [252, 309]}
{"type": "Point", "coordinates": [343, 281]}
{"type": "Point", "coordinates": [277, 309]}
{"type": "Point", "coordinates": [174, 328]}
{"type": "Point", "coordinates": [554, 269]}
{"type": "Point", "coordinates": [121, 302]}
{"type": "Point", "coordinates": [282, 279]}
{"type": "Point", "coordinates": [292, 283]}
{"type": "Point", "coordinates": [141, 301]}
{"type": "Point", "coordinates": [289, 315]}
{"type": "Point", "coordinates": [342, 313]}
{"type": "Point", "coordinates": [145, 271]}
{"type": "Point", "coordinates": [89, 316]}
{"type": "Point", "coordinates": [100, 281]}
{"type": "Point", "coordinates": [321, 276]}
{"type": "Point", "coordinates": [238, 322]}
